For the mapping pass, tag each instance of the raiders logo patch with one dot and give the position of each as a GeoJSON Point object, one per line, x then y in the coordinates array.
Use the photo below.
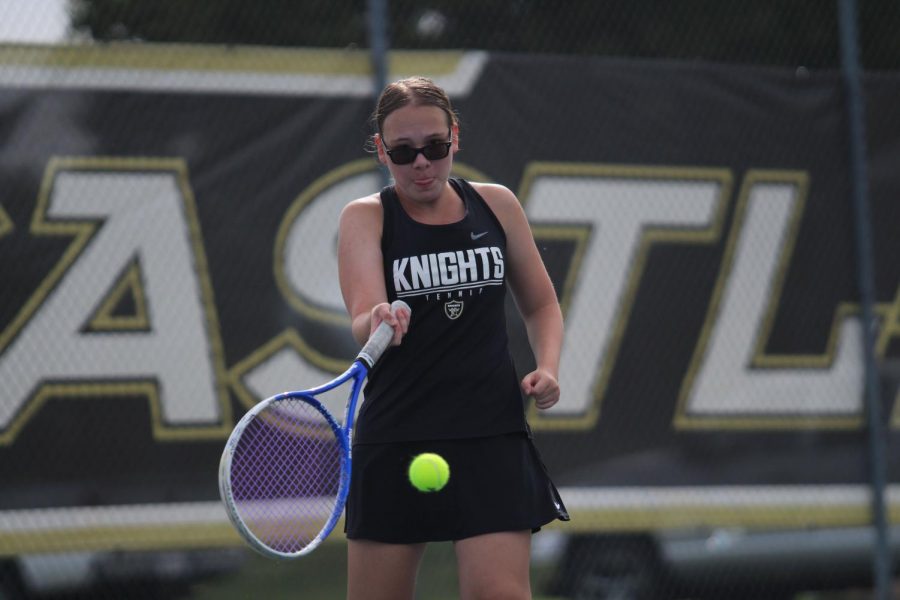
{"type": "Point", "coordinates": [453, 309]}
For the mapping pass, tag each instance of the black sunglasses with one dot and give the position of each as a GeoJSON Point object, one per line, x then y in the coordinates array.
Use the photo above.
{"type": "Point", "coordinates": [403, 155]}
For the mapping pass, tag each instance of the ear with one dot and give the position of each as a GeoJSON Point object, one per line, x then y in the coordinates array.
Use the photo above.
{"type": "Point", "coordinates": [379, 148]}
{"type": "Point", "coordinates": [454, 136]}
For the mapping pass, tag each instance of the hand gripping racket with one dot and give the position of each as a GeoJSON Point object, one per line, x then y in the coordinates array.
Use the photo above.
{"type": "Point", "coordinates": [285, 471]}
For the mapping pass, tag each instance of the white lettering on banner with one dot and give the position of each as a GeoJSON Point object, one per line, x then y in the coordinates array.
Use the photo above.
{"type": "Point", "coordinates": [306, 248]}
{"type": "Point", "coordinates": [141, 220]}
{"type": "Point", "coordinates": [139, 239]}
{"type": "Point", "coordinates": [288, 369]}
{"type": "Point", "coordinates": [620, 211]}
{"type": "Point", "coordinates": [727, 381]}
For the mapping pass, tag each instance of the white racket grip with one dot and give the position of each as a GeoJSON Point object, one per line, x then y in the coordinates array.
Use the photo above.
{"type": "Point", "coordinates": [381, 338]}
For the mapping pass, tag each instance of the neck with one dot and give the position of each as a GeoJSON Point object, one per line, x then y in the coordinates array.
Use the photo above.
{"type": "Point", "coordinates": [446, 208]}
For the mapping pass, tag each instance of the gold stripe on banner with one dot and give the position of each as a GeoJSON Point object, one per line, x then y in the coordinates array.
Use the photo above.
{"type": "Point", "coordinates": [204, 525]}
{"type": "Point", "coordinates": [6, 224]}
{"type": "Point", "coordinates": [220, 68]}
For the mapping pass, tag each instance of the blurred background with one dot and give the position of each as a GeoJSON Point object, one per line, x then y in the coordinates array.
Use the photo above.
{"type": "Point", "coordinates": [714, 187]}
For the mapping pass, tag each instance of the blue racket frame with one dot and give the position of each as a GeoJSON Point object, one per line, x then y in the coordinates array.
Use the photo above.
{"type": "Point", "coordinates": [357, 372]}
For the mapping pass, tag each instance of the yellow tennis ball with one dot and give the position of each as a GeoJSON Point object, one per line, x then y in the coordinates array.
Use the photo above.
{"type": "Point", "coordinates": [429, 472]}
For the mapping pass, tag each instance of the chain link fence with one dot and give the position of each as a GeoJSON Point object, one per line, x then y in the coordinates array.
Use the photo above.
{"type": "Point", "coordinates": [803, 33]}
{"type": "Point", "coordinates": [686, 171]}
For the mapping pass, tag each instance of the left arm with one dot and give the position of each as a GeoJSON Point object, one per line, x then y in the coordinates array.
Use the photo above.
{"type": "Point", "coordinates": [533, 293]}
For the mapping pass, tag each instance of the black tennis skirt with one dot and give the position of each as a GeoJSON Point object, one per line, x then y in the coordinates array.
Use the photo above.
{"type": "Point", "coordinates": [496, 484]}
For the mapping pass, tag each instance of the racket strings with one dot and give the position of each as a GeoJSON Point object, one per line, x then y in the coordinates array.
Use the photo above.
{"type": "Point", "coordinates": [286, 475]}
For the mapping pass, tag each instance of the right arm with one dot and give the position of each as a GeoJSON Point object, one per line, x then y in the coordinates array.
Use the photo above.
{"type": "Point", "coordinates": [361, 272]}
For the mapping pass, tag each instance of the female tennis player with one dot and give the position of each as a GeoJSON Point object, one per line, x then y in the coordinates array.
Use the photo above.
{"type": "Point", "coordinates": [450, 249]}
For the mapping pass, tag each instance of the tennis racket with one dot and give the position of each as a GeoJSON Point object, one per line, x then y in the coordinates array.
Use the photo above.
{"type": "Point", "coordinates": [285, 471]}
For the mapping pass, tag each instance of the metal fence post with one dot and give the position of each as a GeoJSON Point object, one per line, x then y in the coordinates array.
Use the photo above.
{"type": "Point", "coordinates": [852, 74]}
{"type": "Point", "coordinates": [378, 41]}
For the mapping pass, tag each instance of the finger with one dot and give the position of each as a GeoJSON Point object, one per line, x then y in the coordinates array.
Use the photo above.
{"type": "Point", "coordinates": [390, 318]}
{"type": "Point", "coordinates": [546, 393]}
{"type": "Point", "coordinates": [547, 402]}
{"type": "Point", "coordinates": [528, 384]}
{"type": "Point", "coordinates": [403, 318]}
{"type": "Point", "coordinates": [381, 313]}
{"type": "Point", "coordinates": [547, 397]}
{"type": "Point", "coordinates": [398, 319]}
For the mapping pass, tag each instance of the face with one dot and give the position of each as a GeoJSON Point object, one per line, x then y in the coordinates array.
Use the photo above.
{"type": "Point", "coordinates": [415, 126]}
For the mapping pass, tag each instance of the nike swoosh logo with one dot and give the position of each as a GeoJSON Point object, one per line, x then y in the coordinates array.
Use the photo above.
{"type": "Point", "coordinates": [476, 236]}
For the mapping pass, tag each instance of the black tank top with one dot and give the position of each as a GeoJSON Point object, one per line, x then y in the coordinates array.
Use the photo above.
{"type": "Point", "coordinates": [452, 377]}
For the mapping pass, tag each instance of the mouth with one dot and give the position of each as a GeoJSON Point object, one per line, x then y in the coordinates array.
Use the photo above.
{"type": "Point", "coordinates": [423, 182]}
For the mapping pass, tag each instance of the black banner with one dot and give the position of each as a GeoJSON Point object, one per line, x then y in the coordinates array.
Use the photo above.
{"type": "Point", "coordinates": [167, 260]}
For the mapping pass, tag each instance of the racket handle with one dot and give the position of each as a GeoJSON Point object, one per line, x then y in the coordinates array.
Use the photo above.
{"type": "Point", "coordinates": [380, 339]}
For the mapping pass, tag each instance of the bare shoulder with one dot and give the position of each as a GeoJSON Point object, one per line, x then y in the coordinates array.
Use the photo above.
{"type": "Point", "coordinates": [365, 204]}
{"type": "Point", "coordinates": [365, 210]}
{"type": "Point", "coordinates": [494, 193]}
{"type": "Point", "coordinates": [502, 201]}
{"type": "Point", "coordinates": [500, 198]}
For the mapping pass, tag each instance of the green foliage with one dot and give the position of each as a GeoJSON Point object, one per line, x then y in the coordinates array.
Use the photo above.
{"type": "Point", "coordinates": [764, 32]}
{"type": "Point", "coordinates": [314, 23]}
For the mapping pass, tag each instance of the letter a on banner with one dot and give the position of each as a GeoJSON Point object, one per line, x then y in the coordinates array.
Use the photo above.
{"type": "Point", "coordinates": [139, 221]}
